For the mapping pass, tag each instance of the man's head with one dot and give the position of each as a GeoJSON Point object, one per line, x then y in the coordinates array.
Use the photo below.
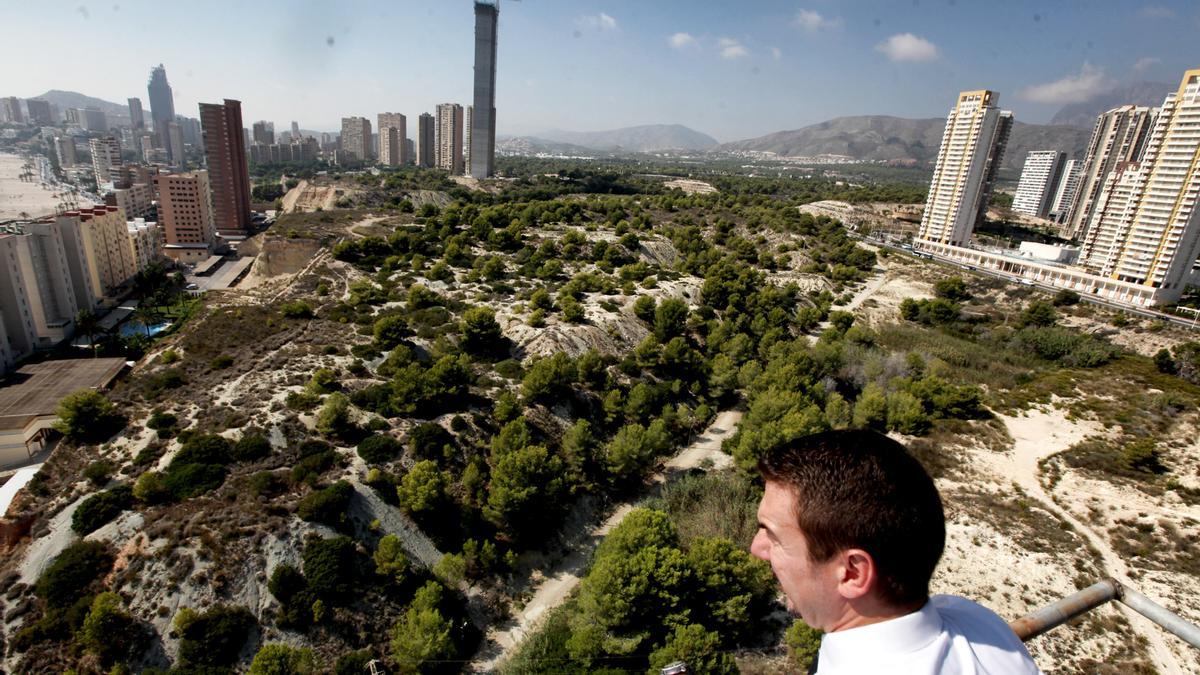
{"type": "Point", "coordinates": [851, 524]}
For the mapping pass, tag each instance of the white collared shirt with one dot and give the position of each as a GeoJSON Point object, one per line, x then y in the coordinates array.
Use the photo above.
{"type": "Point", "coordinates": [949, 635]}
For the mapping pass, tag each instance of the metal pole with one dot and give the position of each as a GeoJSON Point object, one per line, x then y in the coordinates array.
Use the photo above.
{"type": "Point", "coordinates": [1160, 615]}
{"type": "Point", "coordinates": [1054, 615]}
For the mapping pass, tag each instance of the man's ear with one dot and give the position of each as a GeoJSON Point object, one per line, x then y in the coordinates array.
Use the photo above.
{"type": "Point", "coordinates": [857, 573]}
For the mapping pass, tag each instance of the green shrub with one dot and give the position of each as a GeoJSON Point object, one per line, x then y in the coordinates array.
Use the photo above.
{"type": "Point", "coordinates": [215, 638]}
{"type": "Point", "coordinates": [330, 567]}
{"type": "Point", "coordinates": [98, 472]}
{"type": "Point", "coordinates": [108, 629]}
{"type": "Point", "coordinates": [100, 508]}
{"type": "Point", "coordinates": [191, 480]}
{"type": "Point", "coordinates": [204, 449]}
{"type": "Point", "coordinates": [427, 440]}
{"type": "Point", "coordinates": [162, 422]}
{"type": "Point", "coordinates": [327, 506]}
{"type": "Point", "coordinates": [74, 570]}
{"type": "Point", "coordinates": [221, 362]}
{"type": "Point", "coordinates": [278, 659]}
{"type": "Point", "coordinates": [378, 449]}
{"type": "Point", "coordinates": [87, 416]}
{"type": "Point", "coordinates": [250, 448]}
{"type": "Point", "coordinates": [296, 309]}
{"type": "Point", "coordinates": [802, 644]}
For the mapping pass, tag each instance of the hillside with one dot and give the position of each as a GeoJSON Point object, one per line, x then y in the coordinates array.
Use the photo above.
{"type": "Point", "coordinates": [1138, 93]}
{"type": "Point", "coordinates": [644, 138]}
{"type": "Point", "coordinates": [73, 99]}
{"type": "Point", "coordinates": [881, 137]}
{"type": "Point", "coordinates": [530, 146]}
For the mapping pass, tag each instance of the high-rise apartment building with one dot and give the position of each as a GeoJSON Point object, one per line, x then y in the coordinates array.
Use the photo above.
{"type": "Point", "coordinates": [393, 130]}
{"type": "Point", "coordinates": [64, 148]}
{"type": "Point", "coordinates": [106, 154]}
{"type": "Point", "coordinates": [228, 169]}
{"type": "Point", "coordinates": [483, 118]}
{"type": "Point", "coordinates": [356, 137]}
{"type": "Point", "coordinates": [1150, 216]}
{"type": "Point", "coordinates": [1118, 137]}
{"type": "Point", "coordinates": [102, 234]}
{"type": "Point", "coordinates": [162, 103]}
{"type": "Point", "coordinates": [1039, 182]}
{"type": "Point", "coordinates": [295, 131]}
{"type": "Point", "coordinates": [973, 144]}
{"type": "Point", "coordinates": [37, 301]}
{"type": "Point", "coordinates": [137, 119]}
{"type": "Point", "coordinates": [470, 113]}
{"type": "Point", "coordinates": [1068, 189]}
{"type": "Point", "coordinates": [175, 144]}
{"type": "Point", "coordinates": [39, 111]}
{"type": "Point", "coordinates": [93, 119]}
{"type": "Point", "coordinates": [12, 109]}
{"type": "Point", "coordinates": [264, 132]}
{"type": "Point", "coordinates": [1114, 209]}
{"type": "Point", "coordinates": [146, 242]}
{"type": "Point", "coordinates": [424, 145]}
{"type": "Point", "coordinates": [449, 138]}
{"type": "Point", "coordinates": [185, 213]}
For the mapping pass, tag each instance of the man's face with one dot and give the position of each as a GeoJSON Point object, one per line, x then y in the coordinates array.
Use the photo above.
{"type": "Point", "coordinates": [811, 588]}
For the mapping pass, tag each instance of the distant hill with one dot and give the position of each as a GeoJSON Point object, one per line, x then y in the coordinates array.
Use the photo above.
{"type": "Point", "coordinates": [880, 138]}
{"type": "Point", "coordinates": [73, 99]}
{"type": "Point", "coordinates": [531, 145]}
{"type": "Point", "coordinates": [1149, 94]}
{"type": "Point", "coordinates": [645, 138]}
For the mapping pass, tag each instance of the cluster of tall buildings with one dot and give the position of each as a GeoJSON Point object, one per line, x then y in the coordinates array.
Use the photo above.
{"type": "Point", "coordinates": [53, 267]}
{"type": "Point", "coordinates": [1131, 202]}
{"type": "Point", "coordinates": [455, 139]}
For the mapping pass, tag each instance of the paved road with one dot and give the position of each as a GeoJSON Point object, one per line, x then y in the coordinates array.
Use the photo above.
{"type": "Point", "coordinates": [558, 583]}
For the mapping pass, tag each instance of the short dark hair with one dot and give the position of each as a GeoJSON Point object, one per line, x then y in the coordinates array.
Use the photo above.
{"type": "Point", "coordinates": [861, 489]}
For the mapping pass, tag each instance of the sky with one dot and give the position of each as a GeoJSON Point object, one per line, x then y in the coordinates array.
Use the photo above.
{"type": "Point", "coordinates": [732, 70]}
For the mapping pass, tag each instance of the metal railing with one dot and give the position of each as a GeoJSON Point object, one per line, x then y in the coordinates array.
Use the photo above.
{"type": "Point", "coordinates": [1038, 622]}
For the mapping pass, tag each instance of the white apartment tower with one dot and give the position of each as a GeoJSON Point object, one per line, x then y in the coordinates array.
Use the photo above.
{"type": "Point", "coordinates": [1118, 137]}
{"type": "Point", "coordinates": [973, 144]}
{"type": "Point", "coordinates": [1039, 180]}
{"type": "Point", "coordinates": [449, 141]}
{"type": "Point", "coordinates": [106, 155]}
{"type": "Point", "coordinates": [1068, 190]}
{"type": "Point", "coordinates": [1150, 217]}
{"type": "Point", "coordinates": [393, 129]}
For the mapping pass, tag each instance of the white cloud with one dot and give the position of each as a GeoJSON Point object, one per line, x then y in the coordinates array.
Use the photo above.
{"type": "Point", "coordinates": [811, 21]}
{"type": "Point", "coordinates": [681, 40]}
{"type": "Point", "coordinates": [776, 54]}
{"type": "Point", "coordinates": [1144, 63]}
{"type": "Point", "coordinates": [731, 49]}
{"type": "Point", "coordinates": [1157, 12]}
{"type": "Point", "coordinates": [908, 47]}
{"type": "Point", "coordinates": [599, 21]}
{"type": "Point", "coordinates": [1087, 84]}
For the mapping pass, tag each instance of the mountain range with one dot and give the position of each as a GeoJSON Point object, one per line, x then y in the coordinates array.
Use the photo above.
{"type": "Point", "coordinates": [1149, 94]}
{"type": "Point", "coordinates": [73, 99]}
{"type": "Point", "coordinates": [644, 138]}
{"type": "Point", "coordinates": [882, 138]}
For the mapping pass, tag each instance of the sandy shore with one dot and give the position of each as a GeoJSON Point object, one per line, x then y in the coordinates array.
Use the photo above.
{"type": "Point", "coordinates": [22, 196]}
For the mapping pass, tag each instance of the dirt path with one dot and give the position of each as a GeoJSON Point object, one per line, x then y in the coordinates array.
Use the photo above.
{"type": "Point", "coordinates": [557, 584]}
{"type": "Point", "coordinates": [1040, 434]}
{"type": "Point", "coordinates": [866, 291]}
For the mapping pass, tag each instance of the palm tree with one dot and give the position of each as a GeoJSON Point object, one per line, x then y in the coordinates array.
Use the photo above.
{"type": "Point", "coordinates": [146, 316]}
{"type": "Point", "coordinates": [88, 323]}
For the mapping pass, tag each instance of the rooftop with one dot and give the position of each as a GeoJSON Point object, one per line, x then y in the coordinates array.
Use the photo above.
{"type": "Point", "coordinates": [35, 390]}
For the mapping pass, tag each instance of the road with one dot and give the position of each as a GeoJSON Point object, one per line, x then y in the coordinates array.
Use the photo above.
{"type": "Point", "coordinates": [557, 584]}
{"type": "Point", "coordinates": [1191, 323]}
